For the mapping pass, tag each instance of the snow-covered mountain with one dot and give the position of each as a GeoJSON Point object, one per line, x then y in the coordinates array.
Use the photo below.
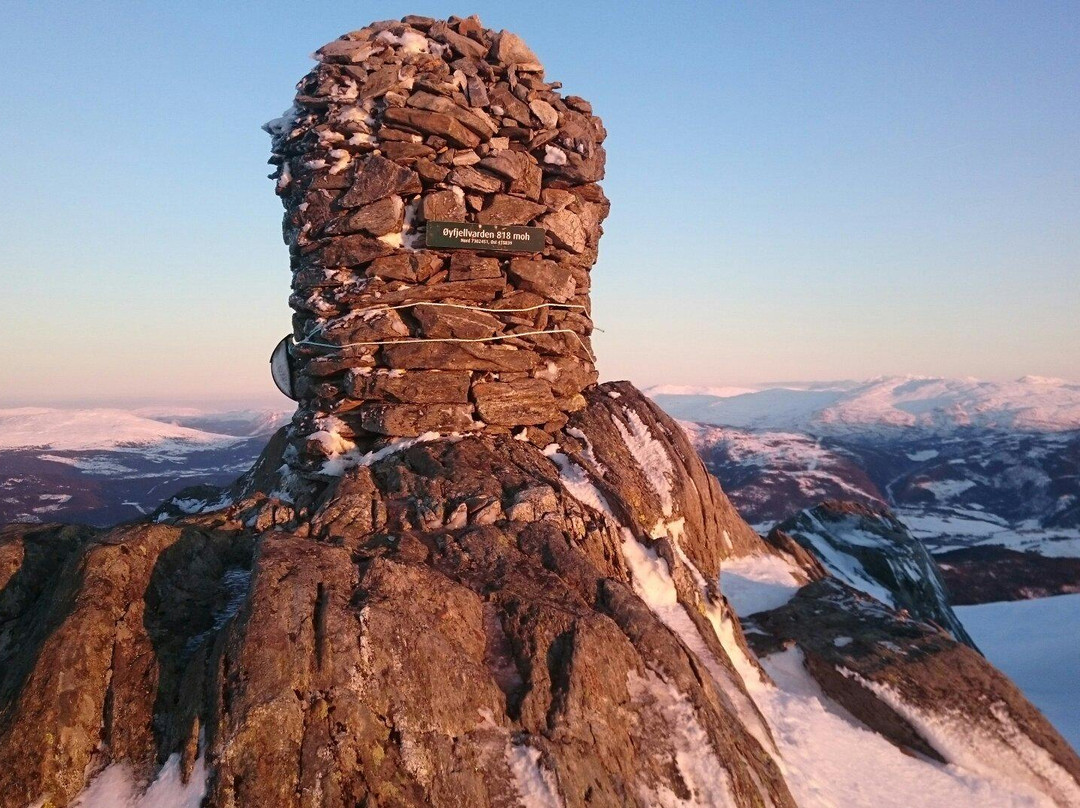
{"type": "Point", "coordinates": [80, 430]}
{"type": "Point", "coordinates": [244, 423]}
{"type": "Point", "coordinates": [102, 466]}
{"type": "Point", "coordinates": [889, 404]}
{"type": "Point", "coordinates": [963, 463]}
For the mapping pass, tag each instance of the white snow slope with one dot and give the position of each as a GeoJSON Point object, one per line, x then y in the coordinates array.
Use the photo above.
{"type": "Point", "coordinates": [1032, 403]}
{"type": "Point", "coordinates": [76, 430]}
{"type": "Point", "coordinates": [1036, 643]}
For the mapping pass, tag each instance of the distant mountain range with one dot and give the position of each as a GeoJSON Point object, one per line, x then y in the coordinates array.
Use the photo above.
{"type": "Point", "coordinates": [963, 463]}
{"type": "Point", "coordinates": [969, 466]}
{"type": "Point", "coordinates": [890, 405]}
{"type": "Point", "coordinates": [103, 466]}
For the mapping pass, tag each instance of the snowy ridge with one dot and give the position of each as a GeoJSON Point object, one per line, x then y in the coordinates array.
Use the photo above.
{"type": "Point", "coordinates": [768, 475]}
{"type": "Point", "coordinates": [873, 552]}
{"type": "Point", "coordinates": [1006, 752]}
{"type": "Point", "coordinates": [973, 487]}
{"type": "Point", "coordinates": [80, 430]}
{"type": "Point", "coordinates": [690, 390]}
{"type": "Point", "coordinates": [241, 423]}
{"type": "Point", "coordinates": [1032, 403]}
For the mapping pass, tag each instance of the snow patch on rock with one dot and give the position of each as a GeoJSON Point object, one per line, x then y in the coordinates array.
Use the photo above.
{"type": "Point", "coordinates": [535, 784]}
{"type": "Point", "coordinates": [576, 480]}
{"type": "Point", "coordinates": [709, 784]}
{"type": "Point", "coordinates": [650, 456]}
{"type": "Point", "coordinates": [1003, 752]}
{"type": "Point", "coordinates": [758, 583]}
{"type": "Point", "coordinates": [117, 787]}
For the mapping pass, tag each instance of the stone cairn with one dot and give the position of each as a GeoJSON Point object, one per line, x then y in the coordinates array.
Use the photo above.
{"type": "Point", "coordinates": [401, 123]}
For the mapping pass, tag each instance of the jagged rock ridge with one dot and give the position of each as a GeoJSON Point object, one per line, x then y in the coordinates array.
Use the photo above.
{"type": "Point", "coordinates": [869, 549]}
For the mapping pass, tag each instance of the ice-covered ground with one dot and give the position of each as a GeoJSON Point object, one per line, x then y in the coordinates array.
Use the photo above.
{"type": "Point", "coordinates": [1036, 643]}
{"type": "Point", "coordinates": [757, 583]}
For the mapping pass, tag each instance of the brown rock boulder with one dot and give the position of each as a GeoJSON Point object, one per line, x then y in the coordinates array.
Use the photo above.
{"type": "Point", "coordinates": [504, 209]}
{"type": "Point", "coordinates": [433, 123]}
{"type": "Point", "coordinates": [475, 180]}
{"type": "Point", "coordinates": [351, 251]}
{"type": "Point", "coordinates": [516, 403]}
{"type": "Point", "coordinates": [438, 322]}
{"type": "Point", "coordinates": [378, 219]}
{"type": "Point", "coordinates": [565, 229]}
{"type": "Point", "coordinates": [412, 387]}
{"type": "Point", "coordinates": [466, 266]}
{"type": "Point", "coordinates": [449, 356]}
{"type": "Point", "coordinates": [377, 178]}
{"type": "Point", "coordinates": [409, 420]}
{"type": "Point", "coordinates": [544, 278]}
{"type": "Point", "coordinates": [444, 206]}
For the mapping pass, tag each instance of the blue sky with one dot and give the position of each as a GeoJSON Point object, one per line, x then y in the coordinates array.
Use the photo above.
{"type": "Point", "coordinates": [799, 191]}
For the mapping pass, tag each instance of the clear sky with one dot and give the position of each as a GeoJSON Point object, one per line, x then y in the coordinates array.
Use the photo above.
{"type": "Point", "coordinates": [799, 190]}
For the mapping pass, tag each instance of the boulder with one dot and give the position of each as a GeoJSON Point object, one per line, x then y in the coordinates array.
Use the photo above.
{"type": "Point", "coordinates": [433, 123]}
{"type": "Point", "coordinates": [465, 265]}
{"type": "Point", "coordinates": [410, 267]}
{"type": "Point", "coordinates": [412, 387]}
{"type": "Point", "coordinates": [439, 322]}
{"type": "Point", "coordinates": [410, 420]}
{"type": "Point", "coordinates": [509, 48]}
{"type": "Point", "coordinates": [351, 251]}
{"type": "Point", "coordinates": [516, 403]}
{"type": "Point", "coordinates": [510, 165]}
{"type": "Point", "coordinates": [478, 122]}
{"type": "Point", "coordinates": [450, 356]}
{"type": "Point", "coordinates": [378, 218]}
{"type": "Point", "coordinates": [565, 229]}
{"type": "Point", "coordinates": [504, 209]}
{"type": "Point", "coordinates": [509, 104]}
{"type": "Point", "coordinates": [475, 180]}
{"type": "Point", "coordinates": [545, 113]}
{"type": "Point", "coordinates": [443, 206]}
{"type": "Point", "coordinates": [544, 278]}
{"type": "Point", "coordinates": [377, 178]}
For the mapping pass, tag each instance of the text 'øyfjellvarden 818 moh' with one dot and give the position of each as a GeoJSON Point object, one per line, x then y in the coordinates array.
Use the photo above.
{"type": "Point", "coordinates": [466, 574]}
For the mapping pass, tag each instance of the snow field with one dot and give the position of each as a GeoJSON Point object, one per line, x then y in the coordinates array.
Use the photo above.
{"type": "Point", "coordinates": [1035, 643]}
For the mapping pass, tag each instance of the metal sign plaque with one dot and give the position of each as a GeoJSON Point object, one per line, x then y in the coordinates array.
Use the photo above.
{"type": "Point", "coordinates": [499, 237]}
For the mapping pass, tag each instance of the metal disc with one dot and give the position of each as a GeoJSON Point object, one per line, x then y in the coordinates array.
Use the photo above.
{"type": "Point", "coordinates": [281, 367]}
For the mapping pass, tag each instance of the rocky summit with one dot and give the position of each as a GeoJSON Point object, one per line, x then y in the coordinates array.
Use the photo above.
{"type": "Point", "coordinates": [466, 574]}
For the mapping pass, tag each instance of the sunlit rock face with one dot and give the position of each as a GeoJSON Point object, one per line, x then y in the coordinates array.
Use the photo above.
{"type": "Point", "coordinates": [401, 124]}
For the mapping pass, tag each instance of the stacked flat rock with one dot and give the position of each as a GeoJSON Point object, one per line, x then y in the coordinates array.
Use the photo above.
{"type": "Point", "coordinates": [399, 124]}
